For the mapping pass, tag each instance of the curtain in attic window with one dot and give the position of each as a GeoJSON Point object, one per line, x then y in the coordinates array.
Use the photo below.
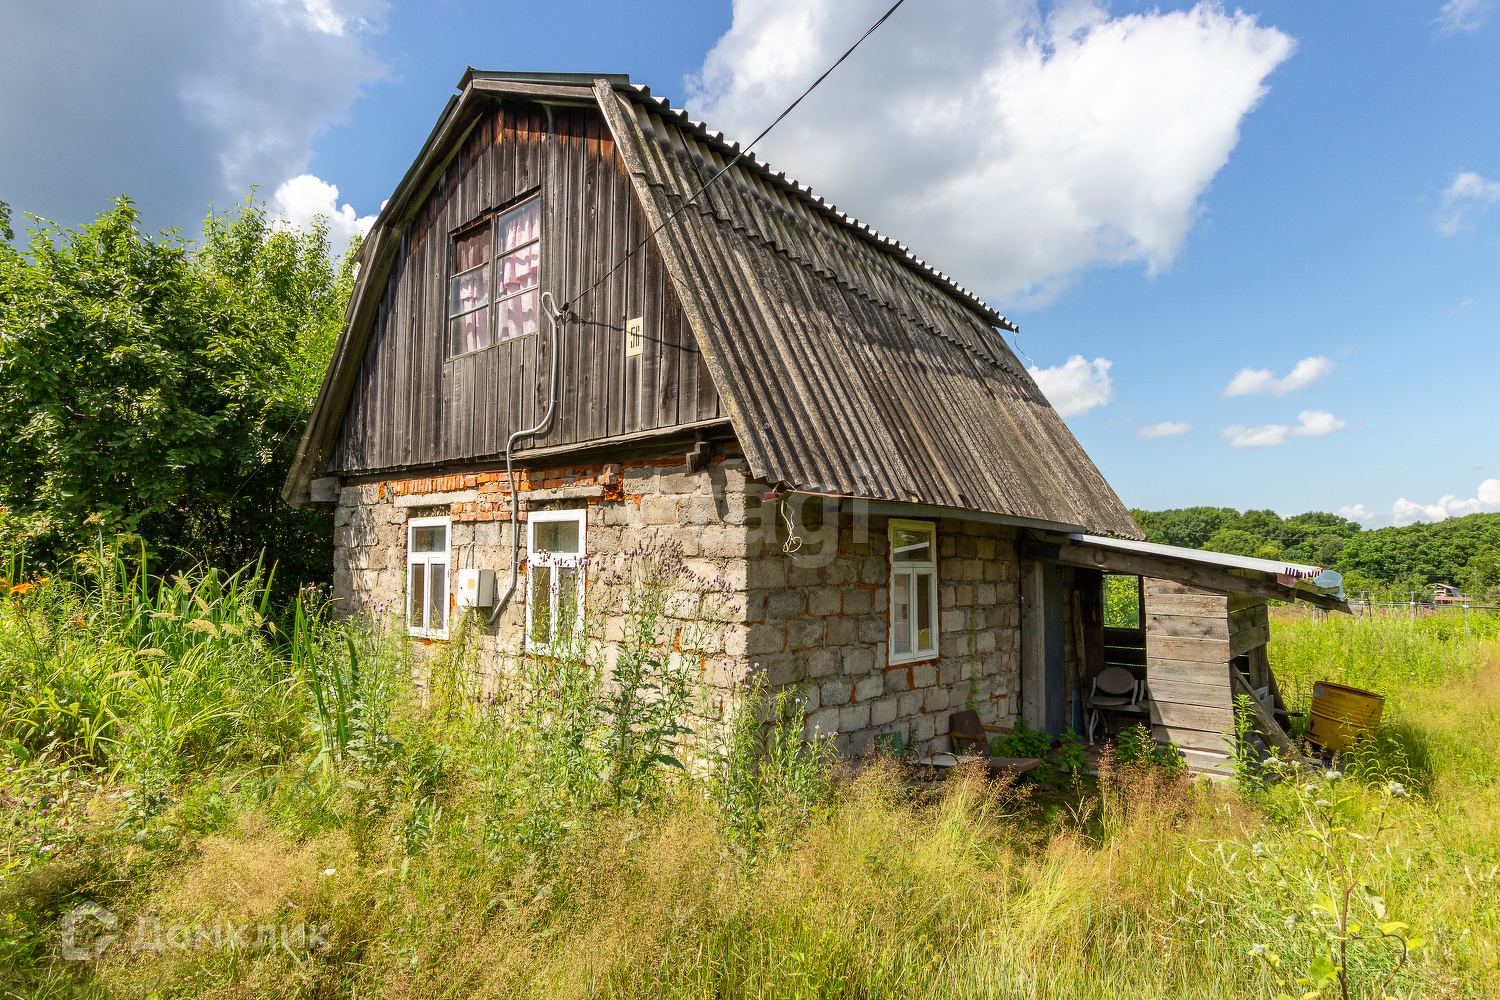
{"type": "Point", "coordinates": [469, 294]}
{"type": "Point", "coordinates": [518, 268]}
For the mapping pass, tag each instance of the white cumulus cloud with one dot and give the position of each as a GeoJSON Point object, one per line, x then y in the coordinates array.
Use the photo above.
{"type": "Point", "coordinates": [1310, 423]}
{"type": "Point", "coordinates": [1076, 386]}
{"type": "Point", "coordinates": [1462, 15]}
{"type": "Point", "coordinates": [304, 198]}
{"type": "Point", "coordinates": [194, 100]}
{"type": "Point", "coordinates": [1262, 381]}
{"type": "Point", "coordinates": [1012, 147]}
{"type": "Point", "coordinates": [1167, 428]}
{"type": "Point", "coordinates": [1404, 511]}
{"type": "Point", "coordinates": [1466, 197]}
{"type": "Point", "coordinates": [1316, 423]}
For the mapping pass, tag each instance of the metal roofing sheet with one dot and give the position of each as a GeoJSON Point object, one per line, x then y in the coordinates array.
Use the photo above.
{"type": "Point", "coordinates": [1220, 559]}
{"type": "Point", "coordinates": [849, 369]}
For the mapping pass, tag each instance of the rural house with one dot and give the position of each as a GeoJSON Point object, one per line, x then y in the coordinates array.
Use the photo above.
{"type": "Point", "coordinates": [813, 413]}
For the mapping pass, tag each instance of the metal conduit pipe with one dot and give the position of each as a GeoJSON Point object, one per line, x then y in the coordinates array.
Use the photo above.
{"type": "Point", "coordinates": [549, 304]}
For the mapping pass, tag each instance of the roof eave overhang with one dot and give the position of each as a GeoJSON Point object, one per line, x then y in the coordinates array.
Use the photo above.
{"type": "Point", "coordinates": [1191, 567]}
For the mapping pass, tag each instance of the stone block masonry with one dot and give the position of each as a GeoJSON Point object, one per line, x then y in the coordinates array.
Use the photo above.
{"type": "Point", "coordinates": [820, 617]}
{"type": "Point", "coordinates": [817, 617]}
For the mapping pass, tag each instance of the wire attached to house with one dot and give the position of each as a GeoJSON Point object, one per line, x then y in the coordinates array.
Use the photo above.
{"type": "Point", "coordinates": [737, 157]}
{"type": "Point", "coordinates": [553, 315]}
{"type": "Point", "coordinates": [793, 541]}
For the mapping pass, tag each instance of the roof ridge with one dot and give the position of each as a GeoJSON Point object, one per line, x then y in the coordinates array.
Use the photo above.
{"type": "Point", "coordinates": [804, 194]}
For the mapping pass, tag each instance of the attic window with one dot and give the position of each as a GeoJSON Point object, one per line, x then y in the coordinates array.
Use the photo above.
{"type": "Point", "coordinates": [517, 263]}
{"type": "Point", "coordinates": [496, 267]}
{"type": "Point", "coordinates": [469, 293]}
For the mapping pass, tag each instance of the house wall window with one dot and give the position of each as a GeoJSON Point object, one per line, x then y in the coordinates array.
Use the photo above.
{"type": "Point", "coordinates": [913, 591]}
{"type": "Point", "coordinates": [492, 296]}
{"type": "Point", "coordinates": [554, 578]}
{"type": "Point", "coordinates": [427, 577]}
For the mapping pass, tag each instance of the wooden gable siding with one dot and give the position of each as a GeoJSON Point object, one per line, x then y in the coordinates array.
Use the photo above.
{"type": "Point", "coordinates": [413, 407]}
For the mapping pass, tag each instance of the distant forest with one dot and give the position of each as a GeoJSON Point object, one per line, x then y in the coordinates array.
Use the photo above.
{"type": "Point", "coordinates": [1463, 551]}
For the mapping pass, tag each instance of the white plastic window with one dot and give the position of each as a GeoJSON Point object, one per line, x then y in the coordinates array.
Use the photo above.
{"type": "Point", "coordinates": [913, 591]}
{"type": "Point", "coordinates": [427, 545]}
{"type": "Point", "coordinates": [554, 578]}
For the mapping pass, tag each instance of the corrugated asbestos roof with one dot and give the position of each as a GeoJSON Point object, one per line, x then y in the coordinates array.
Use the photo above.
{"type": "Point", "coordinates": [847, 369]}
{"type": "Point", "coordinates": [847, 365]}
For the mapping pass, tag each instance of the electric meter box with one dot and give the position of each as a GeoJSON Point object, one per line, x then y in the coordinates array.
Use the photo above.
{"type": "Point", "coordinates": [476, 588]}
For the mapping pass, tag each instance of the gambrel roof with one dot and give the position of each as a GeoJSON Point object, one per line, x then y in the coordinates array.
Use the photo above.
{"type": "Point", "coordinates": [846, 365]}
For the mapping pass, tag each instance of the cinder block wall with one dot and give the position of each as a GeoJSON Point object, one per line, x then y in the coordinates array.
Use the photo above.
{"type": "Point", "coordinates": [824, 622]}
{"type": "Point", "coordinates": [817, 617]}
{"type": "Point", "coordinates": [640, 504]}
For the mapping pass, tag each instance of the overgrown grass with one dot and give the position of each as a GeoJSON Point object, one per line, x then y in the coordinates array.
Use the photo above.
{"type": "Point", "coordinates": [534, 836]}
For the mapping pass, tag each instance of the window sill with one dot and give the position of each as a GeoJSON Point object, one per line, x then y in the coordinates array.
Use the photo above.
{"type": "Point", "coordinates": [422, 633]}
{"type": "Point", "coordinates": [488, 347]}
{"type": "Point", "coordinates": [908, 660]}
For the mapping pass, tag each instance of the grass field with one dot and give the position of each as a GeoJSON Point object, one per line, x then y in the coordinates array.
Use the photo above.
{"type": "Point", "coordinates": [266, 807]}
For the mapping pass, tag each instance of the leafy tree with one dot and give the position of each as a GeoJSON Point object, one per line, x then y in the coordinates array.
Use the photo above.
{"type": "Point", "coordinates": [1328, 549]}
{"type": "Point", "coordinates": [157, 386]}
{"type": "Point", "coordinates": [1485, 570]}
{"type": "Point", "coordinates": [1234, 542]}
{"type": "Point", "coordinates": [1429, 553]}
{"type": "Point", "coordinates": [1189, 527]}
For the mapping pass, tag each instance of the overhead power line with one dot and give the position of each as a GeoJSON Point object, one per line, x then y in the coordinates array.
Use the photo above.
{"type": "Point", "coordinates": [737, 157]}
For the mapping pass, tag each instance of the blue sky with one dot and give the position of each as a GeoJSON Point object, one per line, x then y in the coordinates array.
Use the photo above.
{"type": "Point", "coordinates": [1171, 194]}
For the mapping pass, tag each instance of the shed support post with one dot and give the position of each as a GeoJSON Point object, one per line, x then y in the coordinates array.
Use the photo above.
{"type": "Point", "coordinates": [1043, 679]}
{"type": "Point", "coordinates": [1033, 651]}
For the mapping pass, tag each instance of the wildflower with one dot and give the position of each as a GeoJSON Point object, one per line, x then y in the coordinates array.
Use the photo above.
{"type": "Point", "coordinates": [1258, 850]}
{"type": "Point", "coordinates": [1333, 775]}
{"type": "Point", "coordinates": [1323, 804]}
{"type": "Point", "coordinates": [1290, 921]}
{"type": "Point", "coordinates": [1257, 950]}
{"type": "Point", "coordinates": [1396, 789]}
{"type": "Point", "coordinates": [22, 589]}
{"type": "Point", "coordinates": [1309, 789]}
{"type": "Point", "coordinates": [330, 871]}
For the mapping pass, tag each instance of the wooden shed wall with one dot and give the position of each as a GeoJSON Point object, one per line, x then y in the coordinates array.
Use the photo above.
{"type": "Point", "coordinates": [412, 406]}
{"type": "Point", "coordinates": [1192, 635]}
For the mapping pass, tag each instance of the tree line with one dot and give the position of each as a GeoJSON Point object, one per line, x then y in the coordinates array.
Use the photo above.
{"type": "Point", "coordinates": [154, 385]}
{"type": "Point", "coordinates": [1463, 551]}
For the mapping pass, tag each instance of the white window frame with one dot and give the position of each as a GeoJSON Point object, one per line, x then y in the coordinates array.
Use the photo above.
{"type": "Point", "coordinates": [533, 560]}
{"type": "Point", "coordinates": [426, 559]}
{"type": "Point", "coordinates": [925, 567]}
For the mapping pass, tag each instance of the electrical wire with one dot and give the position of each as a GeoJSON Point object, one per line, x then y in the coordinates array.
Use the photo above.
{"type": "Point", "coordinates": [737, 157]}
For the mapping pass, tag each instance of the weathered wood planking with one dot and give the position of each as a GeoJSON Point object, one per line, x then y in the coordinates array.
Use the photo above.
{"type": "Point", "coordinates": [1200, 717]}
{"type": "Point", "coordinates": [414, 406]}
{"type": "Point", "coordinates": [1243, 642]}
{"type": "Point", "coordinates": [1188, 626]}
{"type": "Point", "coordinates": [1188, 604]}
{"type": "Point", "coordinates": [1247, 618]}
{"type": "Point", "coordinates": [1182, 692]}
{"type": "Point", "coordinates": [1155, 586]}
{"type": "Point", "coordinates": [1194, 739]}
{"type": "Point", "coordinates": [1173, 648]}
{"type": "Point", "coordinates": [1189, 640]}
{"type": "Point", "coordinates": [1196, 671]}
